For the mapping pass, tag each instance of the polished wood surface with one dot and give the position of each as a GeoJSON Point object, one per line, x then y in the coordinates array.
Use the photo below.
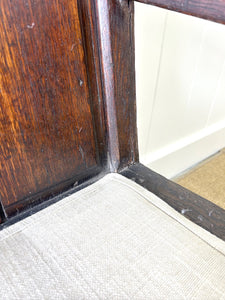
{"type": "Point", "coordinates": [46, 126]}
{"type": "Point", "coordinates": [122, 41]}
{"type": "Point", "coordinates": [67, 87]}
{"type": "Point", "coordinates": [116, 43]}
{"type": "Point", "coordinates": [197, 209]}
{"type": "Point", "coordinates": [213, 10]}
{"type": "Point", "coordinates": [89, 21]}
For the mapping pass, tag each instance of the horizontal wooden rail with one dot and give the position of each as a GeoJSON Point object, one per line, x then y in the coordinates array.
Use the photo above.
{"type": "Point", "coordinates": [197, 209]}
{"type": "Point", "coordinates": [213, 10]}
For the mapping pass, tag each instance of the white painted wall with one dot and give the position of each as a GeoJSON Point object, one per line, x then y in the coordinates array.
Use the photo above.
{"type": "Point", "coordinates": [180, 78]}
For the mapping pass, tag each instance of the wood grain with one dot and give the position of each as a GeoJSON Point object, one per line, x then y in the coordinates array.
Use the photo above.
{"type": "Point", "coordinates": [122, 39]}
{"type": "Point", "coordinates": [67, 89]}
{"type": "Point", "coordinates": [46, 126]}
{"type": "Point", "coordinates": [197, 209]}
{"type": "Point", "coordinates": [90, 36]}
{"type": "Point", "coordinates": [116, 43]}
{"type": "Point", "coordinates": [213, 10]}
{"type": "Point", "coordinates": [108, 30]}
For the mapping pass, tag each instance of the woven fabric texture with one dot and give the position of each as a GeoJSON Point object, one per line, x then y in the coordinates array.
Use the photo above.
{"type": "Point", "coordinates": [112, 240]}
{"type": "Point", "coordinates": [207, 179]}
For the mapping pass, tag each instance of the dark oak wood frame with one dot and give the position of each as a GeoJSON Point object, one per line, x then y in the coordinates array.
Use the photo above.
{"type": "Point", "coordinates": [192, 206]}
{"type": "Point", "coordinates": [213, 10]}
{"type": "Point", "coordinates": [108, 40]}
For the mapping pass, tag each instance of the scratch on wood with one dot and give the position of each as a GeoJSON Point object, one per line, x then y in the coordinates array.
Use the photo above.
{"type": "Point", "coordinates": [82, 155]}
{"type": "Point", "coordinates": [210, 213]}
{"type": "Point", "coordinates": [72, 47]}
{"type": "Point", "coordinates": [184, 210]}
{"type": "Point", "coordinates": [200, 218]}
{"type": "Point", "coordinates": [31, 26]}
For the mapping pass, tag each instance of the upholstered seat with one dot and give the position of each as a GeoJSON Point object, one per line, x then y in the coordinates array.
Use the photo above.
{"type": "Point", "coordinates": [114, 240]}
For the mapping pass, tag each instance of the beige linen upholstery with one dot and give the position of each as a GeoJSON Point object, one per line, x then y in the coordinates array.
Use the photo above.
{"type": "Point", "coordinates": [112, 240]}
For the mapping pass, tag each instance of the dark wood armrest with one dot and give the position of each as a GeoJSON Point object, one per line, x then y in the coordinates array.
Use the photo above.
{"type": "Point", "coordinates": [205, 9]}
{"type": "Point", "coordinates": [197, 209]}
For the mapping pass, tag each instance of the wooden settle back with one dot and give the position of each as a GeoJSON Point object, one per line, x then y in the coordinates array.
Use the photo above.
{"type": "Point", "coordinates": [67, 96]}
{"type": "Point", "coordinates": [67, 103]}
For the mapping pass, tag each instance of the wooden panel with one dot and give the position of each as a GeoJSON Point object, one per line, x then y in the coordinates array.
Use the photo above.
{"type": "Point", "coordinates": [46, 129]}
{"type": "Point", "coordinates": [213, 10]}
{"type": "Point", "coordinates": [195, 208]}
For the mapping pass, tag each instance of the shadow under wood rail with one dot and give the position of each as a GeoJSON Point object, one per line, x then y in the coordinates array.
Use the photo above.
{"type": "Point", "coordinates": [213, 10]}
